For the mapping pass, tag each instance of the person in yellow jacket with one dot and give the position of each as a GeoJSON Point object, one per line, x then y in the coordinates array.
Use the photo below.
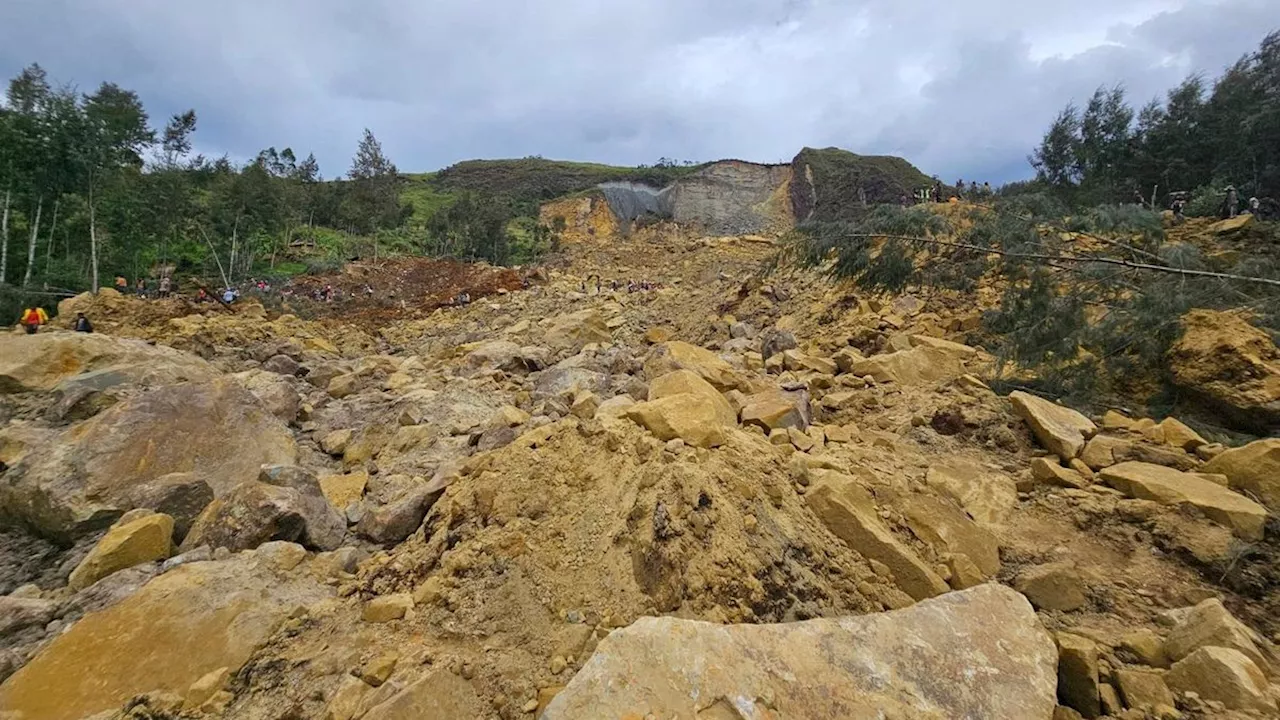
{"type": "Point", "coordinates": [33, 318]}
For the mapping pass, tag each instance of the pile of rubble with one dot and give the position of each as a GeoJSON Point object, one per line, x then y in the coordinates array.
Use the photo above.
{"type": "Point", "coordinates": [718, 498]}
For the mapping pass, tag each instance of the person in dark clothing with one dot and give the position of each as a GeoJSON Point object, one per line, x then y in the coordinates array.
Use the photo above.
{"type": "Point", "coordinates": [82, 324]}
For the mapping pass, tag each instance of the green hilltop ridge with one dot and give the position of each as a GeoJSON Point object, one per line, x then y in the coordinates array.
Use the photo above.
{"type": "Point", "coordinates": [832, 182]}
{"type": "Point", "coordinates": [829, 184]}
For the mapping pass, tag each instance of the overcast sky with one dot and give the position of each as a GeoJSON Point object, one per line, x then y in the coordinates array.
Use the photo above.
{"type": "Point", "coordinates": [962, 88]}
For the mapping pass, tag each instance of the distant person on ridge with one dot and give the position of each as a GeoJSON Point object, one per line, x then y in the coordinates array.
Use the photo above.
{"type": "Point", "coordinates": [141, 288]}
{"type": "Point", "coordinates": [1254, 205]}
{"type": "Point", "coordinates": [937, 191]}
{"type": "Point", "coordinates": [122, 285]}
{"type": "Point", "coordinates": [82, 324]}
{"type": "Point", "coordinates": [1233, 202]}
{"type": "Point", "coordinates": [165, 284]}
{"type": "Point", "coordinates": [960, 189]}
{"type": "Point", "coordinates": [33, 318]}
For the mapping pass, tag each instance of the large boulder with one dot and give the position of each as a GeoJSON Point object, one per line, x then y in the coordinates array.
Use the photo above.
{"type": "Point", "coordinates": [397, 520]}
{"type": "Point", "coordinates": [1062, 431]}
{"type": "Point", "coordinates": [687, 381]}
{"type": "Point", "coordinates": [850, 514]}
{"type": "Point", "coordinates": [572, 331]}
{"type": "Point", "coordinates": [987, 495]}
{"type": "Point", "coordinates": [975, 654]}
{"type": "Point", "coordinates": [276, 393]}
{"type": "Point", "coordinates": [144, 540]}
{"type": "Point", "coordinates": [439, 694]}
{"type": "Point", "coordinates": [1230, 364]}
{"type": "Point", "coordinates": [86, 478]}
{"type": "Point", "coordinates": [1210, 624]}
{"type": "Point", "coordinates": [191, 621]}
{"type": "Point", "coordinates": [1254, 468]}
{"type": "Point", "coordinates": [949, 531]}
{"type": "Point", "coordinates": [675, 355]}
{"type": "Point", "coordinates": [1223, 675]}
{"type": "Point", "coordinates": [692, 418]}
{"type": "Point", "coordinates": [917, 366]}
{"type": "Point", "coordinates": [45, 360]}
{"type": "Point", "coordinates": [774, 409]}
{"type": "Point", "coordinates": [505, 355]}
{"type": "Point", "coordinates": [558, 383]}
{"type": "Point", "coordinates": [286, 503]}
{"type": "Point", "coordinates": [1167, 486]}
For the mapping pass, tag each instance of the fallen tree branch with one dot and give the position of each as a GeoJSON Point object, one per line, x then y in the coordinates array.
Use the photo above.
{"type": "Point", "coordinates": [1092, 236]}
{"type": "Point", "coordinates": [200, 284]}
{"type": "Point", "coordinates": [1072, 259]}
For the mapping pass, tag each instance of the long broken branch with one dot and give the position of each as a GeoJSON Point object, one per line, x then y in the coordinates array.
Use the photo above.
{"type": "Point", "coordinates": [1071, 259]}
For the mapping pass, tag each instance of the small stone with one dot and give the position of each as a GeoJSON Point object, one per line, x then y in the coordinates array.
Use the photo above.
{"type": "Point", "coordinates": [1056, 586]}
{"type": "Point", "coordinates": [1112, 420]}
{"type": "Point", "coordinates": [557, 665]}
{"type": "Point", "coordinates": [335, 443]}
{"type": "Point", "coordinates": [1177, 434]}
{"type": "Point", "coordinates": [1143, 689]}
{"type": "Point", "coordinates": [1047, 470]}
{"type": "Point", "coordinates": [1078, 674]}
{"type": "Point", "coordinates": [204, 689]}
{"type": "Point", "coordinates": [585, 405]}
{"type": "Point", "coordinates": [1085, 471]}
{"type": "Point", "coordinates": [546, 695]}
{"type": "Point", "coordinates": [378, 670]}
{"type": "Point", "coordinates": [1110, 699]}
{"type": "Point", "coordinates": [1144, 646]}
{"type": "Point", "coordinates": [800, 440]}
{"type": "Point", "coordinates": [386, 608]}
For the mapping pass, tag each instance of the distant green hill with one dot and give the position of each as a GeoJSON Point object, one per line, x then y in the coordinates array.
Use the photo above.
{"type": "Point", "coordinates": [528, 182]}
{"type": "Point", "coordinates": [830, 184]}
{"type": "Point", "coordinates": [833, 185]}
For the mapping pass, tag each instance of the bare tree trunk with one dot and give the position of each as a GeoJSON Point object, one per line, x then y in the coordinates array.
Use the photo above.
{"type": "Point", "coordinates": [93, 239]}
{"type": "Point", "coordinates": [235, 235]}
{"type": "Point", "coordinates": [4, 237]}
{"type": "Point", "coordinates": [48, 248]}
{"type": "Point", "coordinates": [31, 243]}
{"type": "Point", "coordinates": [226, 283]}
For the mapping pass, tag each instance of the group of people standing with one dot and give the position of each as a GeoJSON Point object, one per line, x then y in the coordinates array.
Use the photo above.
{"type": "Point", "coordinates": [1230, 207]}
{"type": "Point", "coordinates": [145, 287]}
{"type": "Point", "coordinates": [938, 193]}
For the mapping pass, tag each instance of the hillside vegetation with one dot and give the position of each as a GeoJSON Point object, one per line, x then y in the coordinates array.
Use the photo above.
{"type": "Point", "coordinates": [834, 185]}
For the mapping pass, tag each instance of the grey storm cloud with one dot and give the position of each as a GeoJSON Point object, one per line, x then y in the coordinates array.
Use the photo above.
{"type": "Point", "coordinates": [959, 88]}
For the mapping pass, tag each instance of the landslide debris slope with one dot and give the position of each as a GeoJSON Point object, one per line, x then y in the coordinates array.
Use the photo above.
{"type": "Point", "coordinates": [505, 509]}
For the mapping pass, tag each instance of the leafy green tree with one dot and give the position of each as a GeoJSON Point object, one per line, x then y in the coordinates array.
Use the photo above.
{"type": "Point", "coordinates": [1055, 160]}
{"type": "Point", "coordinates": [373, 201]}
{"type": "Point", "coordinates": [116, 136]}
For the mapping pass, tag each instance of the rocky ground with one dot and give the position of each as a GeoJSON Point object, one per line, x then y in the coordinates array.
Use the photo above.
{"type": "Point", "coordinates": [738, 495]}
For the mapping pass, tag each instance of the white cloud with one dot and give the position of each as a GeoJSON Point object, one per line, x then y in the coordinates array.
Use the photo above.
{"type": "Point", "coordinates": [960, 88]}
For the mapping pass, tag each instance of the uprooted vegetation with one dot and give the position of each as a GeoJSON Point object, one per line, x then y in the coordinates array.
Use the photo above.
{"type": "Point", "coordinates": [1089, 304]}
